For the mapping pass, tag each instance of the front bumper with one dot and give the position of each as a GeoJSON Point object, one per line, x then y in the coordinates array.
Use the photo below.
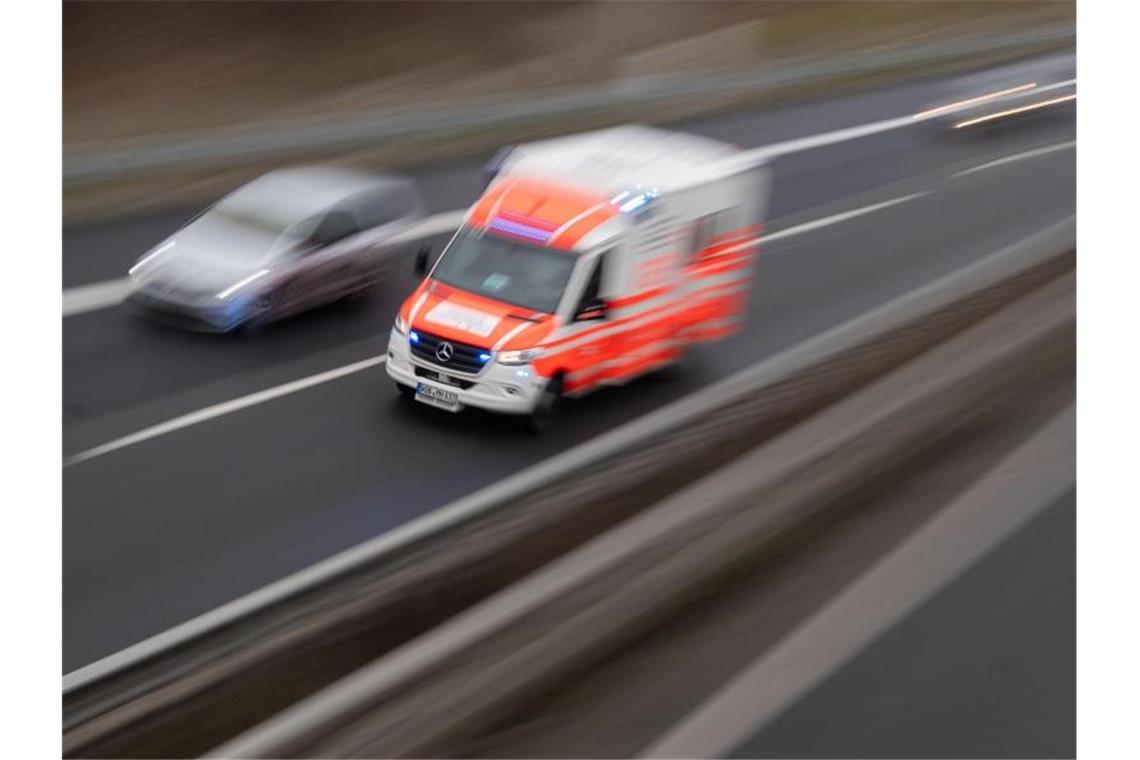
{"type": "Point", "coordinates": [224, 317]}
{"type": "Point", "coordinates": [498, 388]}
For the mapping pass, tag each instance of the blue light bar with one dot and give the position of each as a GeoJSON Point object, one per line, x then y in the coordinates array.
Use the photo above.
{"type": "Point", "coordinates": [627, 202]}
{"type": "Point", "coordinates": [635, 202]}
{"type": "Point", "coordinates": [520, 230]}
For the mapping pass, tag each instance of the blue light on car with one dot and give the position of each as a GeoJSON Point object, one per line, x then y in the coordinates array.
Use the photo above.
{"type": "Point", "coordinates": [413, 336]}
{"type": "Point", "coordinates": [484, 357]}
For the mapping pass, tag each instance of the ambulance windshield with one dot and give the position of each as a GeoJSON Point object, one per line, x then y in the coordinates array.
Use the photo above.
{"type": "Point", "coordinates": [506, 270]}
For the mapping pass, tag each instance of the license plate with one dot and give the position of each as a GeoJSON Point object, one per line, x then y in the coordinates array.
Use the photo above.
{"type": "Point", "coordinates": [444, 399]}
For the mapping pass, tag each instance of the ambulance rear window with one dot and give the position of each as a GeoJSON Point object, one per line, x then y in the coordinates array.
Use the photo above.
{"type": "Point", "coordinates": [508, 271]}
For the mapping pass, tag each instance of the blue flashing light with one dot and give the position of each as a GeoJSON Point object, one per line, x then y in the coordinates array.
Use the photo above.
{"type": "Point", "coordinates": [484, 357]}
{"type": "Point", "coordinates": [527, 232]}
{"type": "Point", "coordinates": [626, 201]}
{"type": "Point", "coordinates": [413, 336]}
{"type": "Point", "coordinates": [636, 201]}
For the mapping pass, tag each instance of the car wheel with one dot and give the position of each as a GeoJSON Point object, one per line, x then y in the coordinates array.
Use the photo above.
{"type": "Point", "coordinates": [677, 366]}
{"type": "Point", "coordinates": [360, 292]}
{"type": "Point", "coordinates": [545, 413]}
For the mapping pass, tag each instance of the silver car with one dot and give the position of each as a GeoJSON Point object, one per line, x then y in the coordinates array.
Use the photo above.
{"type": "Point", "coordinates": [288, 241]}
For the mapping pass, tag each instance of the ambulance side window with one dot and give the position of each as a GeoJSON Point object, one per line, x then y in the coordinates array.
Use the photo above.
{"type": "Point", "coordinates": [590, 301]}
{"type": "Point", "coordinates": [707, 228]}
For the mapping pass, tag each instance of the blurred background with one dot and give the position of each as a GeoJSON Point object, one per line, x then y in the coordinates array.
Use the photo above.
{"type": "Point", "coordinates": [142, 70]}
{"type": "Point", "coordinates": [135, 69]}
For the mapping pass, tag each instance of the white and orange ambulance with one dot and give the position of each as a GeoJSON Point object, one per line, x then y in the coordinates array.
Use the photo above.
{"type": "Point", "coordinates": [588, 260]}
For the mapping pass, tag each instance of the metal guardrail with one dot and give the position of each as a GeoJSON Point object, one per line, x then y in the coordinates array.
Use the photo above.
{"type": "Point", "coordinates": [235, 145]}
{"type": "Point", "coordinates": [817, 369]}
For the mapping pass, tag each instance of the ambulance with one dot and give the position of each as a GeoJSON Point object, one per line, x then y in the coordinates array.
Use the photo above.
{"type": "Point", "coordinates": [588, 261]}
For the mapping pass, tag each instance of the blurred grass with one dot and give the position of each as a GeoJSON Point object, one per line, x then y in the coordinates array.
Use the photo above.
{"type": "Point", "coordinates": [262, 67]}
{"type": "Point", "coordinates": [148, 68]}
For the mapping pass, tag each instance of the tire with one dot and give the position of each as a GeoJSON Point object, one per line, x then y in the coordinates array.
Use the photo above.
{"type": "Point", "coordinates": [361, 293]}
{"type": "Point", "coordinates": [677, 367]}
{"type": "Point", "coordinates": [545, 413]}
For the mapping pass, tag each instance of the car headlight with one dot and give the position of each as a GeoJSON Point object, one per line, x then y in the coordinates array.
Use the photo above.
{"type": "Point", "coordinates": [146, 262]}
{"type": "Point", "coordinates": [401, 325]}
{"type": "Point", "coordinates": [245, 281]}
{"type": "Point", "coordinates": [524, 356]}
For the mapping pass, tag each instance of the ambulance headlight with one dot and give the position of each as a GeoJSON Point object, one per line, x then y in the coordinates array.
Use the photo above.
{"type": "Point", "coordinates": [401, 325]}
{"type": "Point", "coordinates": [524, 356]}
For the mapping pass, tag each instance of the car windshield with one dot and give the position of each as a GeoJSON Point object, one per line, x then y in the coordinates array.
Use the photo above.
{"type": "Point", "coordinates": [508, 271]}
{"type": "Point", "coordinates": [248, 218]}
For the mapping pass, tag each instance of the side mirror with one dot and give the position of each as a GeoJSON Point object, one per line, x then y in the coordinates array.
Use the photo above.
{"type": "Point", "coordinates": [591, 310]}
{"type": "Point", "coordinates": [421, 264]}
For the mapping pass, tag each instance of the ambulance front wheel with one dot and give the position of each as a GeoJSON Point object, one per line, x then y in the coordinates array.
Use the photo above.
{"type": "Point", "coordinates": [547, 407]}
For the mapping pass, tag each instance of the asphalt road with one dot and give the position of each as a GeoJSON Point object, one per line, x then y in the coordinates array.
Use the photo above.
{"type": "Point", "coordinates": [996, 650]}
{"type": "Point", "coordinates": [703, 683]}
{"type": "Point", "coordinates": [161, 531]}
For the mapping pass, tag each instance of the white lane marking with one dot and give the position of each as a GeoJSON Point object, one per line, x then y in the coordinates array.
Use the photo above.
{"type": "Point", "coordinates": [1004, 500]}
{"type": "Point", "coordinates": [1018, 157]}
{"type": "Point", "coordinates": [827, 221]}
{"type": "Point", "coordinates": [98, 295]}
{"type": "Point", "coordinates": [102, 295]}
{"type": "Point", "coordinates": [829, 138]}
{"type": "Point", "coordinates": [224, 408]}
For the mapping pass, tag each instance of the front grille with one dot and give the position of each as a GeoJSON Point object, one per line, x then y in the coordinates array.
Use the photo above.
{"type": "Point", "coordinates": [465, 357]}
{"type": "Point", "coordinates": [439, 377]}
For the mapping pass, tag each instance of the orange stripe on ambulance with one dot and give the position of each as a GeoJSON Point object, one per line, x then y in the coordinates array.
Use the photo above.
{"type": "Point", "coordinates": [588, 260]}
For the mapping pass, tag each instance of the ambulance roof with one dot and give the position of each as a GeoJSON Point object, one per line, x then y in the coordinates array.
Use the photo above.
{"type": "Point", "coordinates": [625, 158]}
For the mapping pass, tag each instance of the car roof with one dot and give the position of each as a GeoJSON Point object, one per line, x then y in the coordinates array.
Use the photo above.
{"type": "Point", "coordinates": [293, 194]}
